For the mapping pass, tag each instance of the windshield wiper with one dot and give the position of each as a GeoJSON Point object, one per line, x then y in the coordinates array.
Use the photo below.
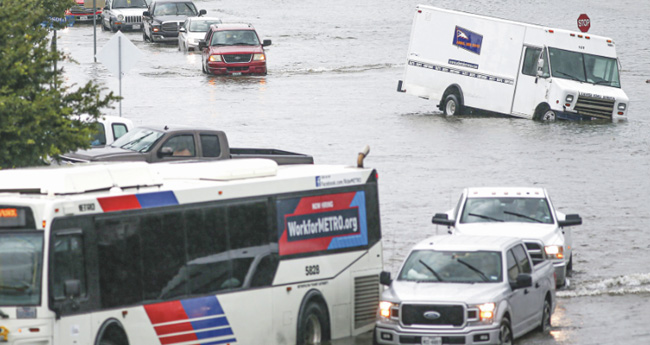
{"type": "Point", "coordinates": [523, 216]}
{"type": "Point", "coordinates": [570, 76]}
{"type": "Point", "coordinates": [432, 271]}
{"type": "Point", "coordinates": [243, 44]}
{"type": "Point", "coordinates": [483, 276]}
{"type": "Point", "coordinates": [485, 217]}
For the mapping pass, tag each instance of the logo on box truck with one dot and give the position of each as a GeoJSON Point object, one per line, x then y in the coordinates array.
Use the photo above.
{"type": "Point", "coordinates": [468, 40]}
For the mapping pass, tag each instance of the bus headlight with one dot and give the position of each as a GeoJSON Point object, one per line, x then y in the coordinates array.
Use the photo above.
{"type": "Point", "coordinates": [554, 252]}
{"type": "Point", "coordinates": [622, 106]}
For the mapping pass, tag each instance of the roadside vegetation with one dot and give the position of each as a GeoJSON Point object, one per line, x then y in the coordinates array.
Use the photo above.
{"type": "Point", "coordinates": [37, 108]}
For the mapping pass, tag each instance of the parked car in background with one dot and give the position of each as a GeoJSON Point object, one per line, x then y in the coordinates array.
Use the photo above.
{"type": "Point", "coordinates": [109, 128]}
{"type": "Point", "coordinates": [123, 15]}
{"type": "Point", "coordinates": [81, 13]}
{"type": "Point", "coordinates": [193, 30]}
{"type": "Point", "coordinates": [527, 213]}
{"type": "Point", "coordinates": [466, 290]}
{"type": "Point", "coordinates": [163, 18]}
{"type": "Point", "coordinates": [233, 49]}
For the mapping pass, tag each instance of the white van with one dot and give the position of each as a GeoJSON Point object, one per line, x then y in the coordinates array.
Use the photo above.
{"type": "Point", "coordinates": [464, 60]}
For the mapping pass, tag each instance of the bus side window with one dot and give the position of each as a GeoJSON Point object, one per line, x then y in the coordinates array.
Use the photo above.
{"type": "Point", "coordinates": [69, 263]}
{"type": "Point", "coordinates": [265, 271]}
{"type": "Point", "coordinates": [530, 61]}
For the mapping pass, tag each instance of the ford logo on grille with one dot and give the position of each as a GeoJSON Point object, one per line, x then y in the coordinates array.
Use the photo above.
{"type": "Point", "coordinates": [432, 315]}
{"type": "Point", "coordinates": [237, 57]}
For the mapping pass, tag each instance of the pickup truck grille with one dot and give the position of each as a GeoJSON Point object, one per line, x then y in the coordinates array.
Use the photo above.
{"type": "Point", "coordinates": [595, 107]}
{"type": "Point", "coordinates": [170, 26]}
{"type": "Point", "coordinates": [237, 58]}
{"type": "Point", "coordinates": [450, 315]}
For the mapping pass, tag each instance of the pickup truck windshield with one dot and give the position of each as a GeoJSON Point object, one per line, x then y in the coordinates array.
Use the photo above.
{"type": "Point", "coordinates": [452, 267]}
{"type": "Point", "coordinates": [527, 210]}
{"type": "Point", "coordinates": [176, 9]}
{"type": "Point", "coordinates": [138, 140]}
{"type": "Point", "coordinates": [21, 262]}
{"type": "Point", "coordinates": [235, 38]}
{"type": "Point", "coordinates": [582, 67]}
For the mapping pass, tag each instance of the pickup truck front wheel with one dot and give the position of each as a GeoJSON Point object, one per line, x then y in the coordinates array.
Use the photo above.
{"type": "Point", "coordinates": [505, 333]}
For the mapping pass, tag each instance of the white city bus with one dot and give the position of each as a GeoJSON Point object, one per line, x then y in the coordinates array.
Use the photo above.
{"type": "Point", "coordinates": [226, 252]}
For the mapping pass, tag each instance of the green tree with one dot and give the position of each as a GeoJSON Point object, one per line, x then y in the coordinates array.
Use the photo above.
{"type": "Point", "coordinates": [37, 110]}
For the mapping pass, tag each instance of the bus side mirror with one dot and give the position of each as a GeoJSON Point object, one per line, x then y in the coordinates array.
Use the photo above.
{"type": "Point", "coordinates": [384, 278]}
{"type": "Point", "coordinates": [72, 288]}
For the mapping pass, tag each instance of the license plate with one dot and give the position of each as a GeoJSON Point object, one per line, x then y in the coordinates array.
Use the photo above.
{"type": "Point", "coordinates": [83, 17]}
{"type": "Point", "coordinates": [136, 27]}
{"type": "Point", "coordinates": [431, 341]}
{"type": "Point", "coordinates": [236, 73]}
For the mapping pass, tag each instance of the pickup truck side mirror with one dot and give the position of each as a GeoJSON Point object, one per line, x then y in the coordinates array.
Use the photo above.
{"type": "Point", "coordinates": [146, 14]}
{"type": "Point", "coordinates": [72, 288]}
{"type": "Point", "coordinates": [182, 29]}
{"type": "Point", "coordinates": [202, 44]}
{"type": "Point", "coordinates": [524, 280]}
{"type": "Point", "coordinates": [442, 219]}
{"type": "Point", "coordinates": [202, 12]}
{"type": "Point", "coordinates": [165, 152]}
{"type": "Point", "coordinates": [384, 278]}
{"type": "Point", "coordinates": [266, 43]}
{"type": "Point", "coordinates": [570, 220]}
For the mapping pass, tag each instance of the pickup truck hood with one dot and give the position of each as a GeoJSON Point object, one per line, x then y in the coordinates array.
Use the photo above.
{"type": "Point", "coordinates": [163, 19]}
{"type": "Point", "coordinates": [106, 153]}
{"type": "Point", "coordinates": [547, 233]}
{"type": "Point", "coordinates": [476, 293]}
{"type": "Point", "coordinates": [236, 49]}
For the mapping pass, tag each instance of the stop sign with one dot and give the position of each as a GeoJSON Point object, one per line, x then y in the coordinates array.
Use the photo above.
{"type": "Point", "coordinates": [584, 23]}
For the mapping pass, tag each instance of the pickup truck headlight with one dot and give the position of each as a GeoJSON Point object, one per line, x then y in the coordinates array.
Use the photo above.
{"type": "Point", "coordinates": [388, 310]}
{"type": "Point", "coordinates": [259, 57]}
{"type": "Point", "coordinates": [554, 252]}
{"type": "Point", "coordinates": [215, 58]}
{"type": "Point", "coordinates": [486, 311]}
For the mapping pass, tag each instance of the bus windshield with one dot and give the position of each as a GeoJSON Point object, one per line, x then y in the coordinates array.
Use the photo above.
{"type": "Point", "coordinates": [586, 68]}
{"type": "Point", "coordinates": [138, 140]}
{"type": "Point", "coordinates": [21, 262]}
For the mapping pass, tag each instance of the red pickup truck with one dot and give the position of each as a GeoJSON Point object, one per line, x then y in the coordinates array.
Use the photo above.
{"type": "Point", "coordinates": [233, 49]}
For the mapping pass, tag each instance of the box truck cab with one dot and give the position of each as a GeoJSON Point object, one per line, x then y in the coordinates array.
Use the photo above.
{"type": "Point", "coordinates": [466, 61]}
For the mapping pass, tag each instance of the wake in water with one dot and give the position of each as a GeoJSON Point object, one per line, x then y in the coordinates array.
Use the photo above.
{"type": "Point", "coordinates": [624, 285]}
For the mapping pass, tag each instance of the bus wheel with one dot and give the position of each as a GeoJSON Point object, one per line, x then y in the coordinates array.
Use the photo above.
{"type": "Point", "coordinates": [452, 105]}
{"type": "Point", "coordinates": [314, 325]}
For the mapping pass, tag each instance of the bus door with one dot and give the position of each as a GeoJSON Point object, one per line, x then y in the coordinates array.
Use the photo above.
{"type": "Point", "coordinates": [68, 287]}
{"type": "Point", "coordinates": [532, 82]}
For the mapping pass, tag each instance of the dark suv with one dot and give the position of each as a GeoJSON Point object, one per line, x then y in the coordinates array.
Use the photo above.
{"type": "Point", "coordinates": [164, 17]}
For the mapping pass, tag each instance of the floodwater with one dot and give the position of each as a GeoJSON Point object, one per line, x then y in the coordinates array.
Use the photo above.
{"type": "Point", "coordinates": [331, 89]}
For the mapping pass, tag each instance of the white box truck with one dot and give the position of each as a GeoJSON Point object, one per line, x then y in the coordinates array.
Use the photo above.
{"type": "Point", "coordinates": [466, 61]}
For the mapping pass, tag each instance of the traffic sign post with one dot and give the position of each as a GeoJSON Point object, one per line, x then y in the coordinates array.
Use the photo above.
{"type": "Point", "coordinates": [584, 23]}
{"type": "Point", "coordinates": [119, 55]}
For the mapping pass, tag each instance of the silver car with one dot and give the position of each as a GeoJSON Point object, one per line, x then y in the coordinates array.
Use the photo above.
{"type": "Point", "coordinates": [123, 15]}
{"type": "Point", "coordinates": [193, 30]}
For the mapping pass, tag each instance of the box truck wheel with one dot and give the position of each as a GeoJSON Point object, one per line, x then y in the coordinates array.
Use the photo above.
{"type": "Point", "coordinates": [549, 115]}
{"type": "Point", "coordinates": [452, 105]}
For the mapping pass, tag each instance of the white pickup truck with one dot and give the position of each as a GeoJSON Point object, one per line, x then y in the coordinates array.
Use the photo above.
{"type": "Point", "coordinates": [523, 212]}
{"type": "Point", "coordinates": [466, 290]}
